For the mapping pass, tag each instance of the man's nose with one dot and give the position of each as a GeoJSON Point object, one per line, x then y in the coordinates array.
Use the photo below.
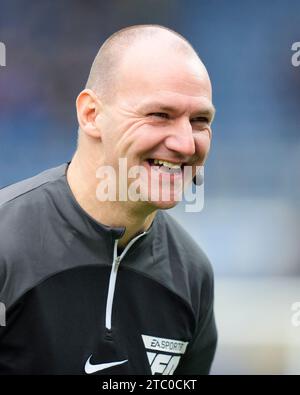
{"type": "Point", "coordinates": [181, 140]}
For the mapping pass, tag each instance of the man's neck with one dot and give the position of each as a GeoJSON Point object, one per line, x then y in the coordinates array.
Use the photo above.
{"type": "Point", "coordinates": [81, 177]}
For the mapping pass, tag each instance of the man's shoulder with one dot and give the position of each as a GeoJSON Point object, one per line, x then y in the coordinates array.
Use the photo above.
{"type": "Point", "coordinates": [21, 208]}
{"type": "Point", "coordinates": [21, 191]}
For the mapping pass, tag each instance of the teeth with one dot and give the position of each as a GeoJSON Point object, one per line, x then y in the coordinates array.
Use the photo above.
{"type": "Point", "coordinates": [167, 164]}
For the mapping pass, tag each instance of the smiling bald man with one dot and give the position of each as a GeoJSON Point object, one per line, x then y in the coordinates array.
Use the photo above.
{"type": "Point", "coordinates": [115, 286]}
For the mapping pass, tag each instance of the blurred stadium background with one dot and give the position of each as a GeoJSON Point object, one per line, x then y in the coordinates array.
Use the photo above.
{"type": "Point", "coordinates": [249, 227]}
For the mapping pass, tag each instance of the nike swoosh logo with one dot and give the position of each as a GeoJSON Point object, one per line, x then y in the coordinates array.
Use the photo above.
{"type": "Point", "coordinates": [89, 368]}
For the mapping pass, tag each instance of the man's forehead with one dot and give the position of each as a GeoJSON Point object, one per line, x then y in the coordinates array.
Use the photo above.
{"type": "Point", "coordinates": [163, 66]}
{"type": "Point", "coordinates": [159, 74]}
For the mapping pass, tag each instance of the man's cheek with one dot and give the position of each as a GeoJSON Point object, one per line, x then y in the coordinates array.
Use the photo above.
{"type": "Point", "coordinates": [202, 147]}
{"type": "Point", "coordinates": [146, 140]}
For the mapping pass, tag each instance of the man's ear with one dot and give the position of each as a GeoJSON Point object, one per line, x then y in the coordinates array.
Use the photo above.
{"type": "Point", "coordinates": [88, 107]}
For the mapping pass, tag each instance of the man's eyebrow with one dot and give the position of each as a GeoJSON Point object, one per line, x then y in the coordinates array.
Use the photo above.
{"type": "Point", "coordinates": [207, 110]}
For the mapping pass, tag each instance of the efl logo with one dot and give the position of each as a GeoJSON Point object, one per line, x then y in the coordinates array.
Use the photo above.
{"type": "Point", "coordinates": [296, 56]}
{"type": "Point", "coordinates": [2, 314]}
{"type": "Point", "coordinates": [2, 54]}
{"type": "Point", "coordinates": [167, 359]}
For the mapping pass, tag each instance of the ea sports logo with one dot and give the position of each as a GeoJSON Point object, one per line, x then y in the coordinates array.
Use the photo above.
{"type": "Point", "coordinates": [163, 354]}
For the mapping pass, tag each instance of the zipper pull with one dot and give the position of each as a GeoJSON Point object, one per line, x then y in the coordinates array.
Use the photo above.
{"type": "Point", "coordinates": [116, 263]}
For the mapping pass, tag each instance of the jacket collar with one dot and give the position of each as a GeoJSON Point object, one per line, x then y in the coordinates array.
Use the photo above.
{"type": "Point", "coordinates": [79, 219]}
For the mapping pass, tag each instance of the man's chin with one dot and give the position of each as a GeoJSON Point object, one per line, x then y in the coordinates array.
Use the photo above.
{"type": "Point", "coordinates": [163, 202]}
{"type": "Point", "coordinates": [163, 205]}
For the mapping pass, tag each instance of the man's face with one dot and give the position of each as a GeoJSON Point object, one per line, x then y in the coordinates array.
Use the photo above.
{"type": "Point", "coordinates": [162, 112]}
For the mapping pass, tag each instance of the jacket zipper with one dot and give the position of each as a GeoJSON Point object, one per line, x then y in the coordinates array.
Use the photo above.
{"type": "Point", "coordinates": [113, 277]}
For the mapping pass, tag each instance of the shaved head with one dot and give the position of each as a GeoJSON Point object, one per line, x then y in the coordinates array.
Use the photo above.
{"type": "Point", "coordinates": [148, 97]}
{"type": "Point", "coordinates": [104, 75]}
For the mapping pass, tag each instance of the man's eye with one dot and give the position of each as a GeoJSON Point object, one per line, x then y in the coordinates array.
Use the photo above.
{"type": "Point", "coordinates": [159, 115]}
{"type": "Point", "coordinates": [200, 119]}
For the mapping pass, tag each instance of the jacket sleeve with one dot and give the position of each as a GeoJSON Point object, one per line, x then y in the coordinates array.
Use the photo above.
{"type": "Point", "coordinates": [201, 349]}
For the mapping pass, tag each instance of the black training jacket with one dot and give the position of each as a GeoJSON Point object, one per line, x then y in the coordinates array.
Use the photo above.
{"type": "Point", "coordinates": [75, 304]}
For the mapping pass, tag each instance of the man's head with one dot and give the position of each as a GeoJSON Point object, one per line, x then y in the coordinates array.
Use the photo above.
{"type": "Point", "coordinates": [148, 97]}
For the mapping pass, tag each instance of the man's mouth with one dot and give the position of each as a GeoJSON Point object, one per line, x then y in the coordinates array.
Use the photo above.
{"type": "Point", "coordinates": [166, 166]}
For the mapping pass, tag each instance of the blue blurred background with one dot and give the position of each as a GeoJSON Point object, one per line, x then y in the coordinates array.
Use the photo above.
{"type": "Point", "coordinates": [249, 227]}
